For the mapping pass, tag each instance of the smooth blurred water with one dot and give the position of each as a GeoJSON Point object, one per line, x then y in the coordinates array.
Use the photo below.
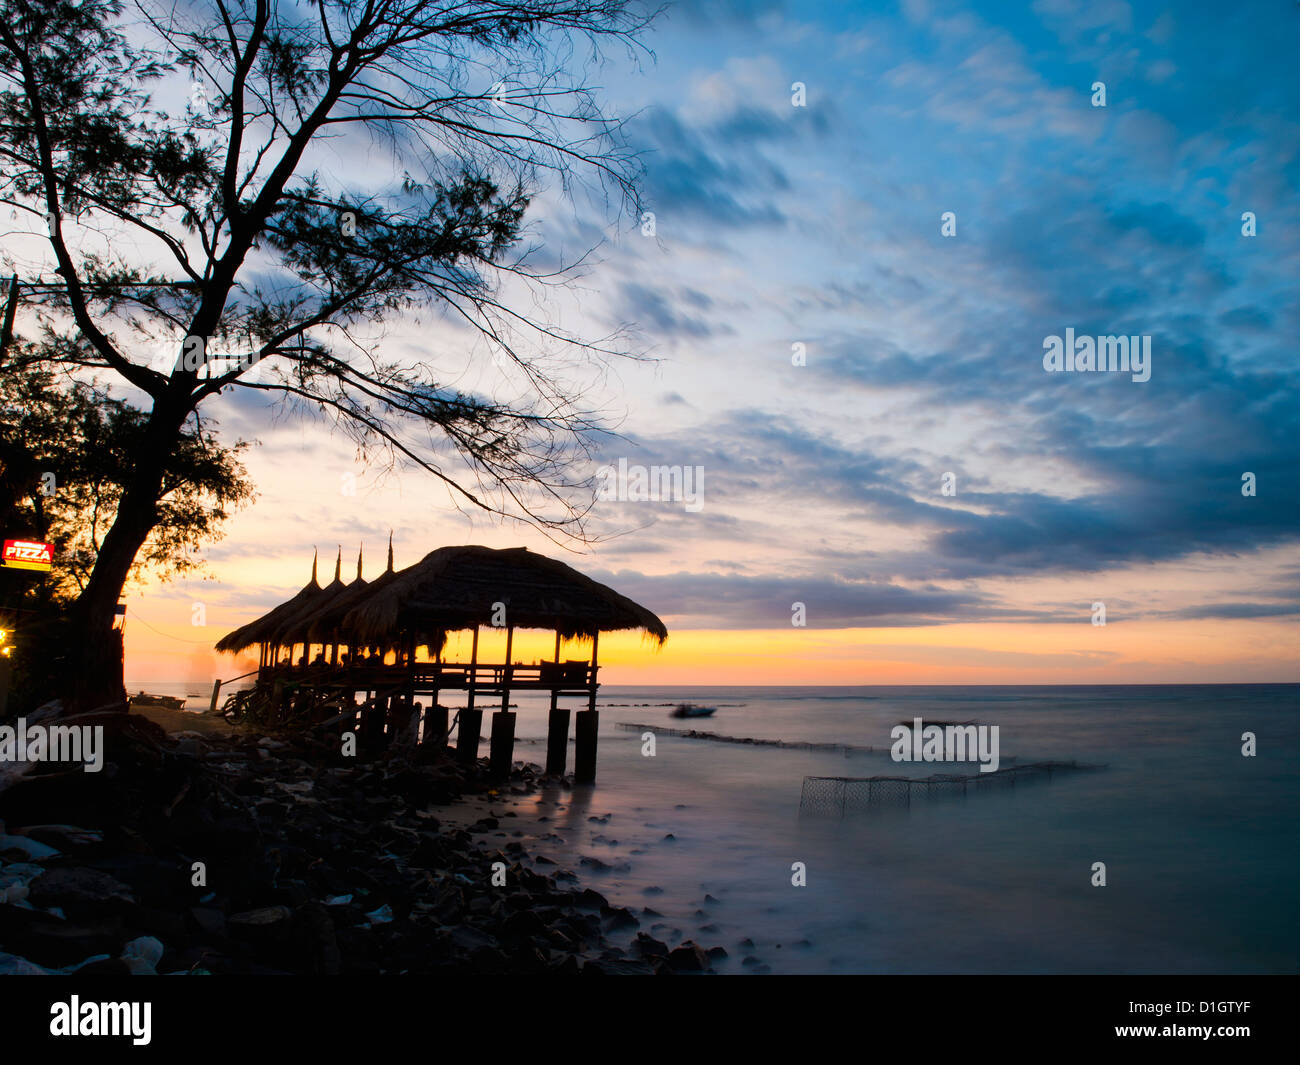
{"type": "Point", "coordinates": [1201, 844]}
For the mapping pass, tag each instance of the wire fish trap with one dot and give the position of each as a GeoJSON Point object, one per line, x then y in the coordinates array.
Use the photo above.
{"type": "Point", "coordinates": [841, 796]}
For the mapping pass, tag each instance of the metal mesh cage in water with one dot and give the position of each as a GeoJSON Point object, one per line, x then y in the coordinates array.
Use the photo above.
{"type": "Point", "coordinates": [946, 787]}
{"type": "Point", "coordinates": [838, 796]}
{"type": "Point", "coordinates": [884, 792]}
{"type": "Point", "coordinates": [822, 795]}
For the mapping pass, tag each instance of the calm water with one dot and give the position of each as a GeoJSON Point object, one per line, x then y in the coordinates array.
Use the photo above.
{"type": "Point", "coordinates": [1201, 845]}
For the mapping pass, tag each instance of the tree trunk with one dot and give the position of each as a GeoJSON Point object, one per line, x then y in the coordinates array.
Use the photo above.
{"type": "Point", "coordinates": [95, 657]}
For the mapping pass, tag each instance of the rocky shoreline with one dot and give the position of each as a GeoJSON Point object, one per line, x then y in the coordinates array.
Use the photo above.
{"type": "Point", "coordinates": [228, 852]}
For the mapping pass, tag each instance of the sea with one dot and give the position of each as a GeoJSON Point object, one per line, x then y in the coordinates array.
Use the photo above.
{"type": "Point", "coordinates": [1179, 854]}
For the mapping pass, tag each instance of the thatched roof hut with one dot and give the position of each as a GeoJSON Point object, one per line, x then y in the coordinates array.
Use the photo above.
{"type": "Point", "coordinates": [264, 628]}
{"type": "Point", "coordinates": [456, 588]}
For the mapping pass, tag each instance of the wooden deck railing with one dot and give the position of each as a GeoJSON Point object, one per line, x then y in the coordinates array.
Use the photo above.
{"type": "Point", "coordinates": [480, 676]}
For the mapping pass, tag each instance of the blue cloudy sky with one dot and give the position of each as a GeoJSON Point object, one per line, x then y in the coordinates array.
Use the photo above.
{"type": "Point", "coordinates": [820, 225]}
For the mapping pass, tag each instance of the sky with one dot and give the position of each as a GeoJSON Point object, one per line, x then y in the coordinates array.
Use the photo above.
{"type": "Point", "coordinates": [845, 302]}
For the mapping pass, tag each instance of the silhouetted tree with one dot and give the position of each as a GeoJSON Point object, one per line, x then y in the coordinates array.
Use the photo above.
{"type": "Point", "coordinates": [190, 137]}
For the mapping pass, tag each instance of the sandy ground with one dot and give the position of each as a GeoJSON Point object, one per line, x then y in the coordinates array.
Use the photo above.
{"type": "Point", "coordinates": [183, 721]}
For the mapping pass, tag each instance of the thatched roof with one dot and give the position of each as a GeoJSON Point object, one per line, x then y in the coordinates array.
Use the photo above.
{"type": "Point", "coordinates": [325, 625]}
{"type": "Point", "coordinates": [455, 588]}
{"type": "Point", "coordinates": [293, 627]}
{"type": "Point", "coordinates": [263, 629]}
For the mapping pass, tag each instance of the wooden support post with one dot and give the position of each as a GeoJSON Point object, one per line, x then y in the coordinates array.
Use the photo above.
{"type": "Point", "coordinates": [473, 669]}
{"type": "Point", "coordinates": [435, 724]}
{"type": "Point", "coordinates": [591, 702]}
{"type": "Point", "coordinates": [467, 735]}
{"type": "Point", "coordinates": [216, 692]}
{"type": "Point", "coordinates": [379, 717]}
{"type": "Point", "coordinates": [409, 693]}
{"type": "Point", "coordinates": [503, 743]}
{"type": "Point", "coordinates": [584, 756]}
{"type": "Point", "coordinates": [400, 709]}
{"type": "Point", "coordinates": [508, 673]}
{"type": "Point", "coordinates": [557, 739]}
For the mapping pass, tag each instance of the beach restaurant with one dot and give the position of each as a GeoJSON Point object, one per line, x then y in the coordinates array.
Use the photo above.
{"type": "Point", "coordinates": [373, 650]}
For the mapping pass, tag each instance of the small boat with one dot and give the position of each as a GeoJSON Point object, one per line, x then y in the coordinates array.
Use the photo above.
{"type": "Point", "coordinates": [693, 710]}
{"type": "Point", "coordinates": [161, 702]}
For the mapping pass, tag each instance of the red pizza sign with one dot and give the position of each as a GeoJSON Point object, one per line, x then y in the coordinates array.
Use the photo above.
{"type": "Point", "coordinates": [28, 554]}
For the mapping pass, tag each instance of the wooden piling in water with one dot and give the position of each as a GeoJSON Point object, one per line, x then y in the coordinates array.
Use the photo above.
{"type": "Point", "coordinates": [435, 725]}
{"type": "Point", "coordinates": [467, 735]}
{"type": "Point", "coordinates": [586, 724]}
{"type": "Point", "coordinates": [503, 743]}
{"type": "Point", "coordinates": [557, 738]}
{"type": "Point", "coordinates": [375, 720]}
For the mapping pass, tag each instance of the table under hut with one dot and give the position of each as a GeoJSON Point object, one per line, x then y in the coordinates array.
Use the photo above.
{"type": "Point", "coordinates": [373, 651]}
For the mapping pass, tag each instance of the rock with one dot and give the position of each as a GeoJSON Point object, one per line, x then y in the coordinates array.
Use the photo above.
{"type": "Point", "coordinates": [167, 924]}
{"type": "Point", "coordinates": [212, 921]}
{"type": "Point", "coordinates": [12, 965]}
{"type": "Point", "coordinates": [141, 956]}
{"type": "Point", "coordinates": [48, 941]}
{"type": "Point", "coordinates": [76, 887]}
{"type": "Point", "coordinates": [318, 929]}
{"type": "Point", "coordinates": [30, 849]}
{"type": "Point", "coordinates": [618, 917]}
{"type": "Point", "coordinates": [522, 924]}
{"type": "Point", "coordinates": [689, 957]}
{"type": "Point", "coordinates": [469, 939]}
{"type": "Point", "coordinates": [649, 946]}
{"type": "Point", "coordinates": [587, 899]}
{"type": "Point", "coordinates": [623, 967]}
{"type": "Point", "coordinates": [267, 915]}
{"type": "Point", "coordinates": [67, 835]}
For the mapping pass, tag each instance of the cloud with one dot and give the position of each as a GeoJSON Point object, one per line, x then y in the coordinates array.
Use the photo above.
{"type": "Point", "coordinates": [664, 314]}
{"type": "Point", "coordinates": [691, 177]}
{"type": "Point", "coordinates": [706, 600]}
